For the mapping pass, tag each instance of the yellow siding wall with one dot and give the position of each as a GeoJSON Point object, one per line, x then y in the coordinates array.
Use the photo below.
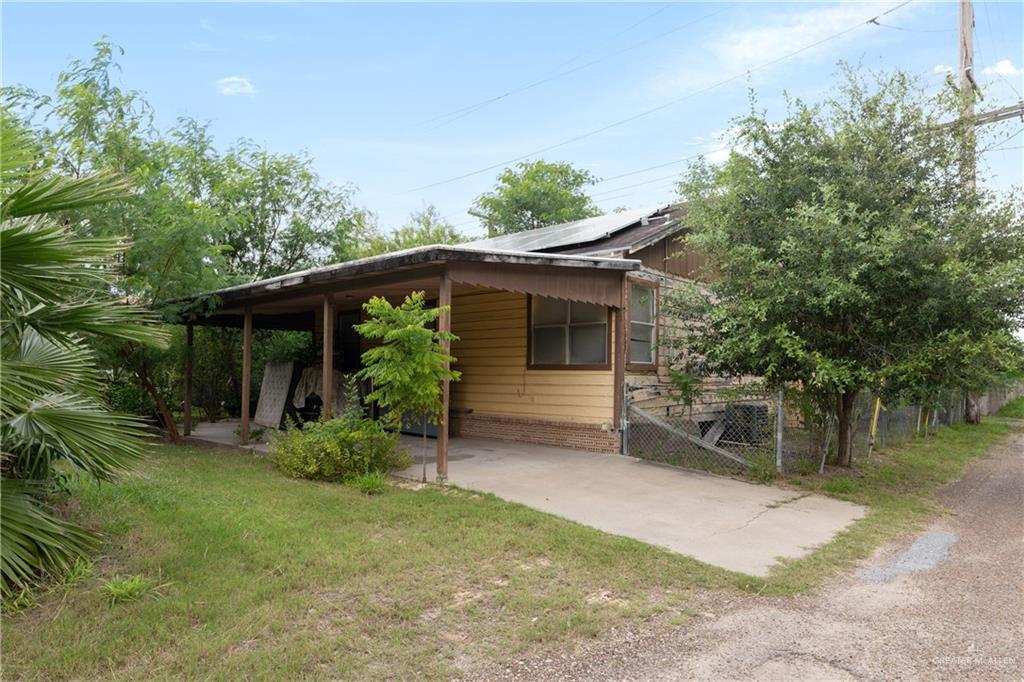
{"type": "Point", "coordinates": [491, 354]}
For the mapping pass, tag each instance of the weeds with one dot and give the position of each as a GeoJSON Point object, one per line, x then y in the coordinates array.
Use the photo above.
{"type": "Point", "coordinates": [372, 483]}
{"type": "Point", "coordinates": [762, 468]}
{"type": "Point", "coordinates": [130, 588]}
{"type": "Point", "coordinates": [840, 485]}
{"type": "Point", "coordinates": [805, 466]}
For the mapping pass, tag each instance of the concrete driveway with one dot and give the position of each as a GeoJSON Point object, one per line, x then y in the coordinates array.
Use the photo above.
{"type": "Point", "coordinates": [728, 523]}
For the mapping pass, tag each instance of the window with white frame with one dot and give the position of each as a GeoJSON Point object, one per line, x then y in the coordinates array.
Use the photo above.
{"type": "Point", "coordinates": [567, 332]}
{"type": "Point", "coordinates": [643, 324]}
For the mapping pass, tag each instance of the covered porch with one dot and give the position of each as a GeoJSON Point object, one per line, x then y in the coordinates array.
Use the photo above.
{"type": "Point", "coordinates": [503, 393]}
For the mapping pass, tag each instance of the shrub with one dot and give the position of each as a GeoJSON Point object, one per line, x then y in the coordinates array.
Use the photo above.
{"type": "Point", "coordinates": [337, 449]}
{"type": "Point", "coordinates": [372, 483]}
{"type": "Point", "coordinates": [129, 398]}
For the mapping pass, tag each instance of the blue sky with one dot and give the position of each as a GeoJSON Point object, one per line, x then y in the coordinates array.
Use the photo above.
{"type": "Point", "coordinates": [361, 87]}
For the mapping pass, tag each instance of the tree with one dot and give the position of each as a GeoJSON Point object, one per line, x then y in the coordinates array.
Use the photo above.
{"type": "Point", "coordinates": [423, 228]}
{"type": "Point", "coordinates": [846, 254]}
{"type": "Point", "coordinates": [535, 194]}
{"type": "Point", "coordinates": [197, 219]}
{"type": "Point", "coordinates": [56, 297]}
{"type": "Point", "coordinates": [407, 368]}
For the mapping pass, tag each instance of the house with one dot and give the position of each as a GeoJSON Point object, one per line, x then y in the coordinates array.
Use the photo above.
{"type": "Point", "coordinates": [555, 325]}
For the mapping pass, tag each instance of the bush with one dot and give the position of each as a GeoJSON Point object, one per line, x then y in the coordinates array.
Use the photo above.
{"type": "Point", "coordinates": [337, 449]}
{"type": "Point", "coordinates": [129, 398]}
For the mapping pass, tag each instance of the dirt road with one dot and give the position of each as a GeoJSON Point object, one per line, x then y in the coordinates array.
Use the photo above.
{"type": "Point", "coordinates": [945, 605]}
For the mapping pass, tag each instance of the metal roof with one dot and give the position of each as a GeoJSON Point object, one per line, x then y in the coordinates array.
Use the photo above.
{"type": "Point", "coordinates": [436, 253]}
{"type": "Point", "coordinates": [566, 234]}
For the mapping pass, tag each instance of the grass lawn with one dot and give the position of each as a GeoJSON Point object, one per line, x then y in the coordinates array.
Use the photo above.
{"type": "Point", "coordinates": [215, 565]}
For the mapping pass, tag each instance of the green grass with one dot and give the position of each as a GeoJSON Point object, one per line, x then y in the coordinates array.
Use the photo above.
{"type": "Point", "coordinates": [272, 577]}
{"type": "Point", "coordinates": [129, 588]}
{"type": "Point", "coordinates": [372, 483]}
{"type": "Point", "coordinates": [265, 576]}
{"type": "Point", "coordinates": [1013, 409]}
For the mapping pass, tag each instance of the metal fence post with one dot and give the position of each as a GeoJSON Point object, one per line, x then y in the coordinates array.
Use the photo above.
{"type": "Point", "coordinates": [779, 424]}
{"type": "Point", "coordinates": [625, 421]}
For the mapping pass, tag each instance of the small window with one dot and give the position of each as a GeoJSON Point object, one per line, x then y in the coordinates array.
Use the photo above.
{"type": "Point", "coordinates": [643, 320]}
{"type": "Point", "coordinates": [568, 332]}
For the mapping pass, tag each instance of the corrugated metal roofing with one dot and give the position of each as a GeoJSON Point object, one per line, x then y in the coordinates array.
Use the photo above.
{"type": "Point", "coordinates": [566, 234]}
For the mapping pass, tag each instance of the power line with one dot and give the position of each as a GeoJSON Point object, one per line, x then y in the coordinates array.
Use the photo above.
{"type": "Point", "coordinates": [548, 72]}
{"type": "Point", "coordinates": [914, 30]}
{"type": "Point", "coordinates": [660, 107]}
{"type": "Point", "coordinates": [473, 108]}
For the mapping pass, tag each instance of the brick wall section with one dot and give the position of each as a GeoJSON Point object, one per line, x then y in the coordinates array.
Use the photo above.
{"type": "Point", "coordinates": [538, 431]}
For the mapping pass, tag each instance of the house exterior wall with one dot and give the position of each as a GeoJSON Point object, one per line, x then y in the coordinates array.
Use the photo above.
{"type": "Point", "coordinates": [651, 389]}
{"type": "Point", "coordinates": [498, 396]}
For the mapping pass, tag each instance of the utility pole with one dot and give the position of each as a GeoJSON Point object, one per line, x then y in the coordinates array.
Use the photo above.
{"type": "Point", "coordinates": [967, 90]}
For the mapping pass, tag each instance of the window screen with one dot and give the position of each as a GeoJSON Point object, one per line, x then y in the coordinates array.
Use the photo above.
{"type": "Point", "coordinates": [568, 332]}
{"type": "Point", "coordinates": [642, 324]}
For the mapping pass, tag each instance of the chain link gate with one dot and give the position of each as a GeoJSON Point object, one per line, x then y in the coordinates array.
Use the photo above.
{"type": "Point", "coordinates": [724, 438]}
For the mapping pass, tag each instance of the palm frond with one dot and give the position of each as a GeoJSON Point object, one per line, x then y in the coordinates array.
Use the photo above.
{"type": "Point", "coordinates": [101, 318]}
{"type": "Point", "coordinates": [25, 190]}
{"type": "Point", "coordinates": [42, 261]}
{"type": "Point", "coordinates": [57, 193]}
{"type": "Point", "coordinates": [33, 540]}
{"type": "Point", "coordinates": [74, 428]}
{"type": "Point", "coordinates": [41, 366]}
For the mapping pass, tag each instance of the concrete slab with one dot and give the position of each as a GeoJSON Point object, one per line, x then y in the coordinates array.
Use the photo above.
{"type": "Point", "coordinates": [224, 433]}
{"type": "Point", "coordinates": [721, 521]}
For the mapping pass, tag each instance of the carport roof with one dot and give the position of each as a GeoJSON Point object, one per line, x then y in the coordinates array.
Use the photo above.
{"type": "Point", "coordinates": [411, 262]}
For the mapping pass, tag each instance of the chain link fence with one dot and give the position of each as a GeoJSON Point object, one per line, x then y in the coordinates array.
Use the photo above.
{"type": "Point", "coordinates": [738, 431]}
{"type": "Point", "coordinates": [723, 434]}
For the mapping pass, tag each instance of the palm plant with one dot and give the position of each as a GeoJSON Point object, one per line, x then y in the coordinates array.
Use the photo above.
{"type": "Point", "coordinates": [56, 295]}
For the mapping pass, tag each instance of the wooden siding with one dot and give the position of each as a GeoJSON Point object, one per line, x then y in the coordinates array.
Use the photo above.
{"type": "Point", "coordinates": [491, 354]}
{"type": "Point", "coordinates": [672, 257]}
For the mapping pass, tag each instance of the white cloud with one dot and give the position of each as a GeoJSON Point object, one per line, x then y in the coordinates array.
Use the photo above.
{"type": "Point", "coordinates": [235, 85]}
{"type": "Point", "coordinates": [203, 47]}
{"type": "Point", "coordinates": [205, 25]}
{"type": "Point", "coordinates": [762, 40]}
{"type": "Point", "coordinates": [942, 68]}
{"type": "Point", "coordinates": [1004, 67]}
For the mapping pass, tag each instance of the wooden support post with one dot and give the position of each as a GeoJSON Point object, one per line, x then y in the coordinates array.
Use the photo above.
{"type": "Point", "coordinates": [328, 358]}
{"type": "Point", "coordinates": [620, 320]}
{"type": "Point", "coordinates": [187, 418]}
{"type": "Point", "coordinates": [243, 435]}
{"type": "Point", "coordinates": [444, 324]}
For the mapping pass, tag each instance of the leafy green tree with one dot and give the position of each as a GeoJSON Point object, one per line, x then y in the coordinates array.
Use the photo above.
{"type": "Point", "coordinates": [56, 298]}
{"type": "Point", "coordinates": [535, 194]}
{"type": "Point", "coordinates": [423, 228]}
{"type": "Point", "coordinates": [407, 367]}
{"type": "Point", "coordinates": [846, 254]}
{"type": "Point", "coordinates": [280, 216]}
{"type": "Point", "coordinates": [197, 219]}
